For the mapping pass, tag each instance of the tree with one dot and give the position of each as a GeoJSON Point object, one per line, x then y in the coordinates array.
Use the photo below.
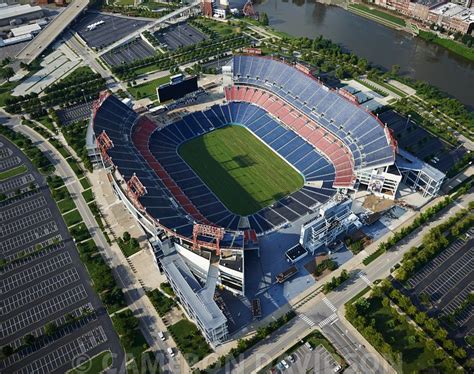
{"type": "Point", "coordinates": [29, 339]}
{"type": "Point", "coordinates": [263, 19]}
{"type": "Point", "coordinates": [50, 328]}
{"type": "Point", "coordinates": [7, 73]}
{"type": "Point", "coordinates": [7, 350]}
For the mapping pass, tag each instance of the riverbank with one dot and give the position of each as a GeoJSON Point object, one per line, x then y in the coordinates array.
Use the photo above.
{"type": "Point", "coordinates": [398, 23]}
{"type": "Point", "coordinates": [452, 45]}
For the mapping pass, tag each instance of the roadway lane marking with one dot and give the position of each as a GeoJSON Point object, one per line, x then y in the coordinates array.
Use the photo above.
{"type": "Point", "coordinates": [332, 318]}
{"type": "Point", "coordinates": [329, 304]}
{"type": "Point", "coordinates": [307, 320]}
{"type": "Point", "coordinates": [364, 278]}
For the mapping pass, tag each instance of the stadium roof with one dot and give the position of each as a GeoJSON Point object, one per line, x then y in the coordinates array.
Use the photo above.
{"type": "Point", "coordinates": [406, 160]}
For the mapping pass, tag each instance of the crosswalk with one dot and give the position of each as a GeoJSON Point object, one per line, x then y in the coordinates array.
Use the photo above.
{"type": "Point", "coordinates": [331, 319]}
{"type": "Point", "coordinates": [329, 304]}
{"type": "Point", "coordinates": [364, 278]}
{"type": "Point", "coordinates": [308, 320]}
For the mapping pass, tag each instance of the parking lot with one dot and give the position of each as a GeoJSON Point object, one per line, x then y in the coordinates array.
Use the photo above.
{"type": "Point", "coordinates": [114, 28]}
{"type": "Point", "coordinates": [74, 113]}
{"type": "Point", "coordinates": [180, 35]}
{"type": "Point", "coordinates": [128, 53]}
{"type": "Point", "coordinates": [318, 361]}
{"type": "Point", "coordinates": [43, 281]}
{"type": "Point", "coordinates": [446, 281]}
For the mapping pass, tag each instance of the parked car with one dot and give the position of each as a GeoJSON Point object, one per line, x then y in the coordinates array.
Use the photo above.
{"type": "Point", "coordinates": [161, 335]}
{"type": "Point", "coordinates": [285, 364]}
{"type": "Point", "coordinates": [170, 352]}
{"type": "Point", "coordinates": [292, 358]}
{"type": "Point", "coordinates": [309, 346]}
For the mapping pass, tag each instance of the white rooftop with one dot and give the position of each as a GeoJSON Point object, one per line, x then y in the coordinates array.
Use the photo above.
{"type": "Point", "coordinates": [17, 10]}
{"type": "Point", "coordinates": [455, 11]}
{"type": "Point", "coordinates": [27, 29]}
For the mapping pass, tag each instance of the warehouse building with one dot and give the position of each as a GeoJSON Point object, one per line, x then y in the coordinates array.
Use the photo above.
{"type": "Point", "coordinates": [17, 14]}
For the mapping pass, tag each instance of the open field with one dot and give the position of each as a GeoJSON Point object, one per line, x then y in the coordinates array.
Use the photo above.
{"type": "Point", "coordinates": [240, 169]}
{"type": "Point", "coordinates": [148, 89]}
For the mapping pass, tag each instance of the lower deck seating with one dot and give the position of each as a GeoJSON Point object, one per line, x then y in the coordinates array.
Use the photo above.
{"type": "Point", "coordinates": [176, 196]}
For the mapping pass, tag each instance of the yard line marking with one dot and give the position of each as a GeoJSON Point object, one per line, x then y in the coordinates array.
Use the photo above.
{"type": "Point", "coordinates": [329, 304]}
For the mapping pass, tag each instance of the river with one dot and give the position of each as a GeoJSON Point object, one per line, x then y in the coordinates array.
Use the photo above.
{"type": "Point", "coordinates": [379, 44]}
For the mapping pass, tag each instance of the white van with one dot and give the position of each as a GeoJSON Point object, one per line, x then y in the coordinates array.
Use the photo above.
{"type": "Point", "coordinates": [170, 352]}
{"type": "Point", "coordinates": [161, 335]}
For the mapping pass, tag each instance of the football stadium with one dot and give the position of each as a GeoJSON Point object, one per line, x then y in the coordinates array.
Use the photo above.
{"type": "Point", "coordinates": [224, 191]}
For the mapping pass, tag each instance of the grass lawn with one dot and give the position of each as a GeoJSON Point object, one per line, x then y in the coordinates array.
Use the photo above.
{"type": "Point", "coordinates": [6, 90]}
{"type": "Point", "coordinates": [13, 172]}
{"type": "Point", "coordinates": [75, 167]}
{"type": "Point", "coordinates": [399, 335]}
{"type": "Point", "coordinates": [163, 304]}
{"type": "Point", "coordinates": [148, 89]}
{"type": "Point", "coordinates": [72, 218]}
{"type": "Point", "coordinates": [80, 232]}
{"type": "Point", "coordinates": [66, 205]}
{"type": "Point", "coordinates": [47, 122]}
{"type": "Point", "coordinates": [95, 365]}
{"type": "Point", "coordinates": [221, 28]}
{"type": "Point", "coordinates": [85, 183]}
{"type": "Point", "coordinates": [88, 195]}
{"type": "Point", "coordinates": [189, 341]}
{"type": "Point", "coordinates": [242, 171]}
{"type": "Point", "coordinates": [379, 13]}
{"type": "Point", "coordinates": [452, 45]}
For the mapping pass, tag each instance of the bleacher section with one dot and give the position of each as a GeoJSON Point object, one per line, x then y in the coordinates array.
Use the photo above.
{"type": "Point", "coordinates": [176, 197]}
{"type": "Point", "coordinates": [200, 202]}
{"type": "Point", "coordinates": [324, 142]}
{"type": "Point", "coordinates": [325, 118]}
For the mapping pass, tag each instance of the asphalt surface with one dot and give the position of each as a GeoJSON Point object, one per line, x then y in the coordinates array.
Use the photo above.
{"type": "Point", "coordinates": [45, 287]}
{"type": "Point", "coordinates": [134, 293]}
{"type": "Point", "coordinates": [148, 27]}
{"type": "Point", "coordinates": [327, 314]}
{"type": "Point", "coordinates": [52, 31]}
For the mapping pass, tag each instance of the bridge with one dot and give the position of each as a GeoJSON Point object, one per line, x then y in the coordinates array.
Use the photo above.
{"type": "Point", "coordinates": [52, 31]}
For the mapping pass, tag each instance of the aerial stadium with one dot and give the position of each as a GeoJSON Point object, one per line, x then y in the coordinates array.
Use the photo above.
{"type": "Point", "coordinates": [219, 190]}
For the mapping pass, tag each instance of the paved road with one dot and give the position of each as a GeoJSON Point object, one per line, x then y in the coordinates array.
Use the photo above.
{"type": "Point", "coordinates": [136, 299]}
{"type": "Point", "coordinates": [89, 57]}
{"type": "Point", "coordinates": [361, 357]}
{"type": "Point", "coordinates": [150, 26]}
{"type": "Point", "coordinates": [52, 31]}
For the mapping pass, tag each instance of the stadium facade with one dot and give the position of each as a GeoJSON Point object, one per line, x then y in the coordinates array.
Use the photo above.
{"type": "Point", "coordinates": [336, 145]}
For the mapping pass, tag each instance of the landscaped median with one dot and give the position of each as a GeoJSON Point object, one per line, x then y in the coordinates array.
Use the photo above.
{"type": "Point", "coordinates": [13, 172]}
{"type": "Point", "coordinates": [96, 364]}
{"type": "Point", "coordinates": [138, 355]}
{"type": "Point", "coordinates": [190, 341]}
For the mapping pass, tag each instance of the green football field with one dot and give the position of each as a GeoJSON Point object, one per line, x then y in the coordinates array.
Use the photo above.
{"type": "Point", "coordinates": [242, 171]}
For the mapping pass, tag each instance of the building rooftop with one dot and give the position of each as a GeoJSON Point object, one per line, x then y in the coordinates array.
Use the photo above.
{"type": "Point", "coordinates": [27, 29]}
{"type": "Point", "coordinates": [18, 10]}
{"type": "Point", "coordinates": [198, 297]}
{"type": "Point", "coordinates": [455, 11]}
{"type": "Point", "coordinates": [429, 3]}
